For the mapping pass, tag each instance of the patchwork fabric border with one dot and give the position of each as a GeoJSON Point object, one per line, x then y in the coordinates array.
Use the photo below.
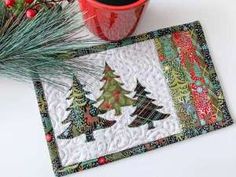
{"type": "Point", "coordinates": [190, 128]}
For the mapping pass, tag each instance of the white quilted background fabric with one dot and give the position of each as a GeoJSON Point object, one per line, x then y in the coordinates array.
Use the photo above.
{"type": "Point", "coordinates": [137, 61]}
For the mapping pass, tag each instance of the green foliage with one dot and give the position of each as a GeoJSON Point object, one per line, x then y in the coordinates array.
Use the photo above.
{"type": "Point", "coordinates": [18, 8]}
{"type": "Point", "coordinates": [3, 15]}
{"type": "Point", "coordinates": [44, 45]}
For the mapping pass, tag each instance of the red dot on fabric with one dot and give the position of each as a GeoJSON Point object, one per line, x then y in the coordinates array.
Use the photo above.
{"type": "Point", "coordinates": [102, 160]}
{"type": "Point", "coordinates": [49, 137]}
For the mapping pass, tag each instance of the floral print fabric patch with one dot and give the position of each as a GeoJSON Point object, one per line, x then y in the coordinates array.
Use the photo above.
{"type": "Point", "coordinates": [155, 89]}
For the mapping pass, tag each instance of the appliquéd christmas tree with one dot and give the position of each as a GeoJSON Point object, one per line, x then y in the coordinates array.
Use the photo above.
{"type": "Point", "coordinates": [83, 117]}
{"type": "Point", "coordinates": [113, 96]}
{"type": "Point", "coordinates": [146, 111]}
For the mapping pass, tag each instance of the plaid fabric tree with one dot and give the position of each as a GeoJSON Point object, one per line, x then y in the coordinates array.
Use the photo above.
{"type": "Point", "coordinates": [113, 96]}
{"type": "Point", "coordinates": [83, 116]}
{"type": "Point", "coordinates": [146, 112]}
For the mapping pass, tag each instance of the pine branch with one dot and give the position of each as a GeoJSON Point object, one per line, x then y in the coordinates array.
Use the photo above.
{"type": "Point", "coordinates": [44, 46]}
{"type": "Point", "coordinates": [4, 16]}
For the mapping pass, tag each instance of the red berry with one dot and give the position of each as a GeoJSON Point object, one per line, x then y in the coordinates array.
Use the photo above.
{"type": "Point", "coordinates": [102, 160]}
{"type": "Point", "coordinates": [29, 1]}
{"type": "Point", "coordinates": [49, 137]}
{"type": "Point", "coordinates": [10, 3]}
{"type": "Point", "coordinates": [31, 13]}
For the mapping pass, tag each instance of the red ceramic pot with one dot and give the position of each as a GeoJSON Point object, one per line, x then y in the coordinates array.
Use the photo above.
{"type": "Point", "coordinates": [110, 22]}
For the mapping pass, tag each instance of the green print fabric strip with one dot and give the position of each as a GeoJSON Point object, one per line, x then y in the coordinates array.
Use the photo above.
{"type": "Point", "coordinates": [192, 80]}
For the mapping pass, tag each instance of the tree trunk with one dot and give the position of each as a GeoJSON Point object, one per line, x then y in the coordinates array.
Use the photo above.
{"type": "Point", "coordinates": [89, 136]}
{"type": "Point", "coordinates": [150, 125]}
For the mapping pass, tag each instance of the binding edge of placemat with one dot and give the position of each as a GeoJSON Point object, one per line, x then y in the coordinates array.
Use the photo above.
{"type": "Point", "coordinates": [59, 170]}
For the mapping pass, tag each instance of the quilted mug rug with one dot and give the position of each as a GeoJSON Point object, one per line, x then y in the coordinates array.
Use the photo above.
{"type": "Point", "coordinates": [155, 89]}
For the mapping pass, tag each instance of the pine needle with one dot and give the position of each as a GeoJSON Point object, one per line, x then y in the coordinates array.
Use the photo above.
{"type": "Point", "coordinates": [44, 46]}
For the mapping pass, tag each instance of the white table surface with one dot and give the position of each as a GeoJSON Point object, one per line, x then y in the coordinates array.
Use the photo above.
{"type": "Point", "coordinates": [23, 149]}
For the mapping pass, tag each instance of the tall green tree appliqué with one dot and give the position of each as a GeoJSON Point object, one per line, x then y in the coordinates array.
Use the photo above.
{"type": "Point", "coordinates": [113, 96]}
{"type": "Point", "coordinates": [83, 116]}
{"type": "Point", "coordinates": [146, 111]}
